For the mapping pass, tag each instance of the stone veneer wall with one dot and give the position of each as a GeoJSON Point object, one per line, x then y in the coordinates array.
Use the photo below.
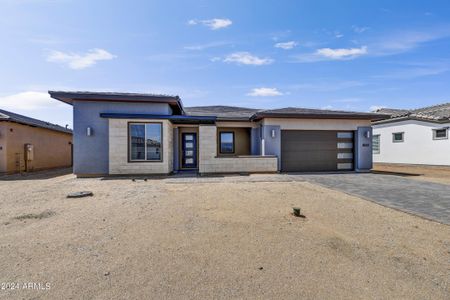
{"type": "Point", "coordinates": [210, 163]}
{"type": "Point", "coordinates": [118, 150]}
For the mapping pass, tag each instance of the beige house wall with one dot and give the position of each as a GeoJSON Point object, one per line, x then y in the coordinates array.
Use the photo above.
{"type": "Point", "coordinates": [118, 149]}
{"type": "Point", "coordinates": [316, 124]}
{"type": "Point", "coordinates": [52, 149]}
{"type": "Point", "coordinates": [3, 146]}
{"type": "Point", "coordinates": [241, 141]}
{"type": "Point", "coordinates": [210, 163]}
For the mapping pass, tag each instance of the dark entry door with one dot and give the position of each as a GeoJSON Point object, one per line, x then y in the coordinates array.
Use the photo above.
{"type": "Point", "coordinates": [189, 150]}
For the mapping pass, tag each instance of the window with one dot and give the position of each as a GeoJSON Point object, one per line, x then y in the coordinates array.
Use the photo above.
{"type": "Point", "coordinates": [440, 134]}
{"type": "Point", "coordinates": [376, 144]}
{"type": "Point", "coordinates": [226, 141]}
{"type": "Point", "coordinates": [398, 137]}
{"type": "Point", "coordinates": [145, 141]}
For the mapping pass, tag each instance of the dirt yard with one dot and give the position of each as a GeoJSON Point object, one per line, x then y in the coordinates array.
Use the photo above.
{"type": "Point", "coordinates": [436, 174]}
{"type": "Point", "coordinates": [173, 239]}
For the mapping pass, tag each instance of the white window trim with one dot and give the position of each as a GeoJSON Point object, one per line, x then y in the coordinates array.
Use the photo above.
{"type": "Point", "coordinates": [379, 144]}
{"type": "Point", "coordinates": [398, 141]}
{"type": "Point", "coordinates": [440, 138]}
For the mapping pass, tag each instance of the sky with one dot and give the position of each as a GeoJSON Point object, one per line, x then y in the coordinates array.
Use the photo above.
{"type": "Point", "coordinates": [341, 55]}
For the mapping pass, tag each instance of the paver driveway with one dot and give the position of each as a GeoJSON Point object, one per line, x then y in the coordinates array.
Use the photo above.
{"type": "Point", "coordinates": [429, 200]}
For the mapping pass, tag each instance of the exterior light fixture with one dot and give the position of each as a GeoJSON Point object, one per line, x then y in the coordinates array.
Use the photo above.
{"type": "Point", "coordinates": [273, 133]}
{"type": "Point", "coordinates": [89, 131]}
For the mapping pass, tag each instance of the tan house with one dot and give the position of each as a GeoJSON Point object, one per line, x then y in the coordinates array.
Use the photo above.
{"type": "Point", "coordinates": [28, 144]}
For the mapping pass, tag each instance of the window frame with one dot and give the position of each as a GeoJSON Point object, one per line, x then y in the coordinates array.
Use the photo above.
{"type": "Point", "coordinates": [398, 141]}
{"type": "Point", "coordinates": [129, 124]}
{"type": "Point", "coordinates": [220, 142]}
{"type": "Point", "coordinates": [440, 138]}
{"type": "Point", "coordinates": [379, 143]}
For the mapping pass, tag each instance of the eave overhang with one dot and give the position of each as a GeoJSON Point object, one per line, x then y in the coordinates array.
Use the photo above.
{"type": "Point", "coordinates": [175, 119]}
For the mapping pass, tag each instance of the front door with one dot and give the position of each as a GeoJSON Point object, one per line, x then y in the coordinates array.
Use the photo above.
{"type": "Point", "coordinates": [189, 150]}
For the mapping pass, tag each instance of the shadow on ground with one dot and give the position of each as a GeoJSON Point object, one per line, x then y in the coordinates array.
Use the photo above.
{"type": "Point", "coordinates": [38, 175]}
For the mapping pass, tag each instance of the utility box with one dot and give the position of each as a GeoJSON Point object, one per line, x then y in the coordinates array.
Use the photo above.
{"type": "Point", "coordinates": [29, 152]}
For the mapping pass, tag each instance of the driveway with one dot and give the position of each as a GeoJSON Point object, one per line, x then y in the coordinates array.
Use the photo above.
{"type": "Point", "coordinates": [429, 200]}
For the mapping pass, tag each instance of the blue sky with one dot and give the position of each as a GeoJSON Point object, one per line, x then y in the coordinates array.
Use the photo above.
{"type": "Point", "coordinates": [350, 55]}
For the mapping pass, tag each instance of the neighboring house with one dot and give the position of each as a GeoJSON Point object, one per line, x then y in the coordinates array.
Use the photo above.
{"type": "Point", "coordinates": [126, 133]}
{"type": "Point", "coordinates": [28, 144]}
{"type": "Point", "coordinates": [418, 136]}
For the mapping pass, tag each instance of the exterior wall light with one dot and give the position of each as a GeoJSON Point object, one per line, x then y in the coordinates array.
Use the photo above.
{"type": "Point", "coordinates": [89, 131]}
{"type": "Point", "coordinates": [273, 133]}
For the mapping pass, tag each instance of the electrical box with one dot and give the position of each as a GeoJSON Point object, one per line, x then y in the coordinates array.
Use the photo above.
{"type": "Point", "coordinates": [29, 152]}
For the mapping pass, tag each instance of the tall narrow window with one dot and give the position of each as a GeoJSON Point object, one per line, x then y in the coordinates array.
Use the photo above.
{"type": "Point", "coordinates": [226, 141]}
{"type": "Point", "coordinates": [376, 144]}
{"type": "Point", "coordinates": [145, 142]}
{"type": "Point", "coordinates": [137, 141]}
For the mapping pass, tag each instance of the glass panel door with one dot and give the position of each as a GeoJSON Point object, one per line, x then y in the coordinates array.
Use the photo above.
{"type": "Point", "coordinates": [189, 150]}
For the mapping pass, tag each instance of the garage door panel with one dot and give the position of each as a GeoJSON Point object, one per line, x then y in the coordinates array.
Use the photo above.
{"type": "Point", "coordinates": [313, 151]}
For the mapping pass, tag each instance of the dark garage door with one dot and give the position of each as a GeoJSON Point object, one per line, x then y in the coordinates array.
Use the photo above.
{"type": "Point", "coordinates": [316, 150]}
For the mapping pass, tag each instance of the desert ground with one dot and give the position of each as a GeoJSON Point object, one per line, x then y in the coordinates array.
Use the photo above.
{"type": "Point", "coordinates": [438, 174]}
{"type": "Point", "coordinates": [172, 238]}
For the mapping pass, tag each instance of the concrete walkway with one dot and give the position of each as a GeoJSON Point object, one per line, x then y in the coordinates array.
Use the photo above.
{"type": "Point", "coordinates": [426, 199]}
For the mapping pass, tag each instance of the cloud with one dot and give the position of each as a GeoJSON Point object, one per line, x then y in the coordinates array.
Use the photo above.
{"type": "Point", "coordinates": [213, 24]}
{"type": "Point", "coordinates": [338, 35]}
{"type": "Point", "coordinates": [374, 108]}
{"type": "Point", "coordinates": [324, 54]}
{"type": "Point", "coordinates": [327, 85]}
{"type": "Point", "coordinates": [246, 58]}
{"type": "Point", "coordinates": [417, 69]}
{"type": "Point", "coordinates": [401, 41]}
{"type": "Point", "coordinates": [80, 61]}
{"type": "Point", "coordinates": [359, 29]}
{"type": "Point", "coordinates": [341, 53]}
{"type": "Point", "coordinates": [286, 45]}
{"type": "Point", "coordinates": [28, 101]}
{"type": "Point", "coordinates": [205, 46]}
{"type": "Point", "coordinates": [264, 92]}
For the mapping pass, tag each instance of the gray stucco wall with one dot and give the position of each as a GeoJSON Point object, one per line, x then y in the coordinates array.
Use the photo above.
{"type": "Point", "coordinates": [363, 149]}
{"type": "Point", "coordinates": [91, 153]}
{"type": "Point", "coordinates": [272, 145]}
{"type": "Point", "coordinates": [255, 141]}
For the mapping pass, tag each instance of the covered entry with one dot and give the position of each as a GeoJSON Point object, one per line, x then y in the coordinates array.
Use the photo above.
{"type": "Point", "coordinates": [316, 150]}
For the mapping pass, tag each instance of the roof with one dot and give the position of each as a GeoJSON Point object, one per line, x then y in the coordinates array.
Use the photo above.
{"type": "Point", "coordinates": [16, 118]}
{"type": "Point", "coordinates": [243, 113]}
{"type": "Point", "coordinates": [222, 112]}
{"type": "Point", "coordinates": [295, 112]}
{"type": "Point", "coordinates": [69, 96]}
{"type": "Point", "coordinates": [436, 113]}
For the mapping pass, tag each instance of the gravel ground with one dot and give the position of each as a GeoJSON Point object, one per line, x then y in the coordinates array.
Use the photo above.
{"type": "Point", "coordinates": [438, 174]}
{"type": "Point", "coordinates": [168, 238]}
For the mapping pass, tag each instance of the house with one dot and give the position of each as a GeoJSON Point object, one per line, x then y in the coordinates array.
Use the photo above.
{"type": "Point", "coordinates": [416, 136]}
{"type": "Point", "coordinates": [128, 133]}
{"type": "Point", "coordinates": [27, 144]}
